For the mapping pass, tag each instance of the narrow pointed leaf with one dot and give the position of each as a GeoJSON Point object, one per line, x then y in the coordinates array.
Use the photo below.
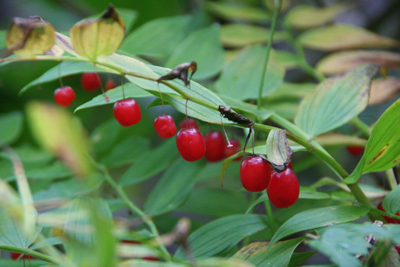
{"type": "Point", "coordinates": [335, 101]}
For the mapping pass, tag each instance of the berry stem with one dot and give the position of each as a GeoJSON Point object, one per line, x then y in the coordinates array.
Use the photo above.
{"type": "Point", "coordinates": [278, 4]}
{"type": "Point", "coordinates": [268, 210]}
{"type": "Point", "coordinates": [361, 126]}
{"type": "Point", "coordinates": [32, 253]}
{"type": "Point", "coordinates": [166, 256]}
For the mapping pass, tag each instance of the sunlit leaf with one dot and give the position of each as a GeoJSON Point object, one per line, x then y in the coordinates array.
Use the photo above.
{"type": "Point", "coordinates": [234, 12]}
{"type": "Point", "coordinates": [98, 37]}
{"type": "Point", "coordinates": [382, 151]}
{"type": "Point", "coordinates": [241, 77]}
{"type": "Point", "coordinates": [203, 47]}
{"type": "Point", "coordinates": [238, 35]}
{"type": "Point", "coordinates": [340, 62]}
{"type": "Point", "coordinates": [28, 37]}
{"type": "Point", "coordinates": [306, 16]}
{"type": "Point", "coordinates": [335, 101]}
{"type": "Point", "coordinates": [343, 36]}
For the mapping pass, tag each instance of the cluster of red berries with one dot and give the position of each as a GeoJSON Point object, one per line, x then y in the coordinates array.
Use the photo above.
{"type": "Point", "coordinates": [90, 81]}
{"type": "Point", "coordinates": [390, 220]}
{"type": "Point", "coordinates": [282, 188]}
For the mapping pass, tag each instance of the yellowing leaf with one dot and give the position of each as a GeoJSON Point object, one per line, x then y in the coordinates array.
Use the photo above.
{"type": "Point", "coordinates": [343, 36]}
{"type": "Point", "coordinates": [235, 12]}
{"type": "Point", "coordinates": [62, 134]}
{"type": "Point", "coordinates": [98, 37]}
{"type": "Point", "coordinates": [383, 90]}
{"type": "Point", "coordinates": [29, 37]}
{"type": "Point", "coordinates": [340, 62]}
{"type": "Point", "coordinates": [238, 35]}
{"type": "Point", "coordinates": [305, 16]}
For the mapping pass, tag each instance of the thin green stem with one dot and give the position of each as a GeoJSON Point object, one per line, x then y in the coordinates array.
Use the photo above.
{"type": "Point", "coordinates": [270, 215]}
{"type": "Point", "coordinates": [32, 253]}
{"type": "Point", "coordinates": [138, 211]}
{"type": "Point", "coordinates": [269, 46]}
{"type": "Point", "coordinates": [391, 179]}
{"type": "Point", "coordinates": [361, 126]}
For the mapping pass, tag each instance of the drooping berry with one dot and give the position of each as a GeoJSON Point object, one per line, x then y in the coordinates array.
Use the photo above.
{"type": "Point", "coordinates": [127, 112]}
{"type": "Point", "coordinates": [255, 173]}
{"type": "Point", "coordinates": [235, 148]}
{"type": "Point", "coordinates": [215, 146]}
{"type": "Point", "coordinates": [188, 124]}
{"type": "Point", "coordinates": [355, 150]}
{"type": "Point", "coordinates": [90, 81]}
{"type": "Point", "coordinates": [110, 84]}
{"type": "Point", "coordinates": [388, 219]}
{"type": "Point", "coordinates": [190, 144]}
{"type": "Point", "coordinates": [283, 189]}
{"type": "Point", "coordinates": [165, 126]}
{"type": "Point", "coordinates": [64, 96]}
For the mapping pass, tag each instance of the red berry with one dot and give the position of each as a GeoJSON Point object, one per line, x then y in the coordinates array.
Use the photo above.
{"type": "Point", "coordinates": [355, 150]}
{"type": "Point", "coordinates": [235, 148]}
{"type": "Point", "coordinates": [188, 123]}
{"type": "Point", "coordinates": [150, 258]}
{"type": "Point", "coordinates": [283, 189]}
{"type": "Point", "coordinates": [15, 256]}
{"type": "Point", "coordinates": [388, 219]}
{"type": "Point", "coordinates": [129, 242]}
{"type": "Point", "coordinates": [127, 112]}
{"type": "Point", "coordinates": [110, 84]}
{"type": "Point", "coordinates": [190, 144]}
{"type": "Point", "coordinates": [90, 81]}
{"type": "Point", "coordinates": [165, 126]}
{"type": "Point", "coordinates": [64, 96]}
{"type": "Point", "coordinates": [398, 249]}
{"type": "Point", "coordinates": [255, 173]}
{"type": "Point", "coordinates": [215, 146]}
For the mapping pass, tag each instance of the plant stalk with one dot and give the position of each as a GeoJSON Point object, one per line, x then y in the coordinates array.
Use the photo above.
{"type": "Point", "coordinates": [32, 253]}
{"type": "Point", "coordinates": [361, 126]}
{"type": "Point", "coordinates": [269, 46]}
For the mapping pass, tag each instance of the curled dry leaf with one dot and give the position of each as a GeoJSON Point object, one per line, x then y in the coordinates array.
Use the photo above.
{"type": "Point", "coordinates": [102, 36]}
{"type": "Point", "coordinates": [279, 152]}
{"type": "Point", "coordinates": [343, 36]}
{"type": "Point", "coordinates": [383, 90]}
{"type": "Point", "coordinates": [340, 62]}
{"type": "Point", "coordinates": [181, 72]}
{"type": "Point", "coordinates": [29, 37]}
{"type": "Point", "coordinates": [305, 16]}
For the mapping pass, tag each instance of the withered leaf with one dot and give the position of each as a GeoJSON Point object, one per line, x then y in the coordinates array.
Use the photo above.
{"type": "Point", "coordinates": [279, 152]}
{"type": "Point", "coordinates": [383, 90]}
{"type": "Point", "coordinates": [181, 72]}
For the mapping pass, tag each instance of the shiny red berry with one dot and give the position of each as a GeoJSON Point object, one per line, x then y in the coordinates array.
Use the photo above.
{"type": "Point", "coordinates": [355, 150]}
{"type": "Point", "coordinates": [190, 144]}
{"type": "Point", "coordinates": [232, 150]}
{"type": "Point", "coordinates": [398, 249]}
{"type": "Point", "coordinates": [215, 146]}
{"type": "Point", "coordinates": [388, 219]}
{"type": "Point", "coordinates": [90, 81]}
{"type": "Point", "coordinates": [188, 123]}
{"type": "Point", "coordinates": [255, 173]}
{"type": "Point", "coordinates": [127, 112]}
{"type": "Point", "coordinates": [165, 126]}
{"type": "Point", "coordinates": [283, 189]}
{"type": "Point", "coordinates": [64, 96]}
{"type": "Point", "coordinates": [110, 84]}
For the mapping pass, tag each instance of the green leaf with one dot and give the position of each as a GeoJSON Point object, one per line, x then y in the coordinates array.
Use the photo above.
{"type": "Point", "coordinates": [222, 233]}
{"type": "Point", "coordinates": [204, 47]}
{"type": "Point", "coordinates": [306, 16]}
{"type": "Point", "coordinates": [231, 11]}
{"type": "Point", "coordinates": [291, 90]}
{"type": "Point", "coordinates": [11, 233]}
{"type": "Point", "coordinates": [21, 263]}
{"type": "Point", "coordinates": [320, 217]}
{"type": "Point", "coordinates": [279, 254]}
{"type": "Point", "coordinates": [11, 127]}
{"type": "Point", "coordinates": [3, 39]}
{"type": "Point", "coordinates": [226, 163]}
{"type": "Point", "coordinates": [150, 163]}
{"type": "Point", "coordinates": [311, 193]}
{"type": "Point", "coordinates": [157, 38]}
{"type": "Point", "coordinates": [239, 35]}
{"type": "Point", "coordinates": [215, 202]}
{"type": "Point", "coordinates": [391, 203]}
{"type": "Point", "coordinates": [279, 153]}
{"type": "Point", "coordinates": [242, 75]}
{"type": "Point", "coordinates": [31, 157]}
{"type": "Point", "coordinates": [382, 151]}
{"type": "Point", "coordinates": [131, 91]}
{"type": "Point", "coordinates": [262, 198]}
{"type": "Point", "coordinates": [54, 171]}
{"type": "Point", "coordinates": [173, 188]}
{"type": "Point", "coordinates": [335, 101]}
{"type": "Point", "coordinates": [105, 135]}
{"type": "Point", "coordinates": [126, 151]}
{"type": "Point", "coordinates": [288, 60]}
{"type": "Point", "coordinates": [343, 36]}
{"type": "Point", "coordinates": [299, 258]}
